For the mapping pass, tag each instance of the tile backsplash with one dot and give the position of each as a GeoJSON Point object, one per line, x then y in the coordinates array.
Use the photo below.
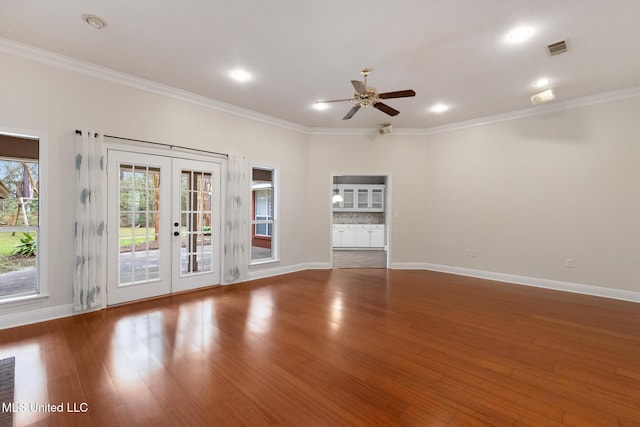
{"type": "Point", "coordinates": [358, 217]}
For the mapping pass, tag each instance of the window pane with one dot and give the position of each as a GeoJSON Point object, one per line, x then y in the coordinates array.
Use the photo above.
{"type": "Point", "coordinates": [263, 214]}
{"type": "Point", "coordinates": [19, 216]}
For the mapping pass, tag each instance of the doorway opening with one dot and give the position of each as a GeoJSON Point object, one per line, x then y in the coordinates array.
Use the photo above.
{"type": "Point", "coordinates": [359, 221]}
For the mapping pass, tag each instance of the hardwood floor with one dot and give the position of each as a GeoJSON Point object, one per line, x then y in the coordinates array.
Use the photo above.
{"type": "Point", "coordinates": [338, 347]}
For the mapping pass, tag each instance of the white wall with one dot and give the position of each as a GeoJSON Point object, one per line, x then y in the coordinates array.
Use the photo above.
{"type": "Point", "coordinates": [529, 193]}
{"type": "Point", "coordinates": [57, 101]}
{"type": "Point", "coordinates": [402, 158]}
{"type": "Point", "coordinates": [524, 194]}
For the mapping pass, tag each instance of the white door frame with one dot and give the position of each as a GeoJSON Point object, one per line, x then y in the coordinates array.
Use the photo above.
{"type": "Point", "coordinates": [167, 221]}
{"type": "Point", "coordinates": [387, 210]}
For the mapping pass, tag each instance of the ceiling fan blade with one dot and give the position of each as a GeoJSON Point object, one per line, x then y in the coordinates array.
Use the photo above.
{"type": "Point", "coordinates": [351, 112]}
{"type": "Point", "coordinates": [334, 100]}
{"type": "Point", "coordinates": [386, 109]}
{"type": "Point", "coordinates": [359, 86]}
{"type": "Point", "coordinates": [397, 94]}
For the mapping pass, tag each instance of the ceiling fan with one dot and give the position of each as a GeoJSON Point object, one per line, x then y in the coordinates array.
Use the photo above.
{"type": "Point", "coordinates": [366, 96]}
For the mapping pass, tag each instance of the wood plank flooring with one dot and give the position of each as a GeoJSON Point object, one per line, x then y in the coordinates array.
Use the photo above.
{"type": "Point", "coordinates": [359, 258]}
{"type": "Point", "coordinates": [361, 347]}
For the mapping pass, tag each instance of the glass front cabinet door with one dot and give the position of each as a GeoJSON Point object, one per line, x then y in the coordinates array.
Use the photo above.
{"type": "Point", "coordinates": [360, 197]}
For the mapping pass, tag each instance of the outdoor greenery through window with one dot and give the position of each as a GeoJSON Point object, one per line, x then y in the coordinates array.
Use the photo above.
{"type": "Point", "coordinates": [19, 216]}
{"type": "Point", "coordinates": [139, 224]}
{"type": "Point", "coordinates": [263, 218]}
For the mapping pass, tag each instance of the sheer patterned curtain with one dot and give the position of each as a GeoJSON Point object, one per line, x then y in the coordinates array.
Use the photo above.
{"type": "Point", "coordinates": [89, 280]}
{"type": "Point", "coordinates": [236, 245]}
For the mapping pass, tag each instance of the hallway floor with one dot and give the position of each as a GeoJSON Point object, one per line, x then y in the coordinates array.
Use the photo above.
{"type": "Point", "coordinates": [359, 258]}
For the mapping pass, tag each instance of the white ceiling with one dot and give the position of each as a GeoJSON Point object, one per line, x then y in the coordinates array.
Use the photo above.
{"type": "Point", "coordinates": [450, 51]}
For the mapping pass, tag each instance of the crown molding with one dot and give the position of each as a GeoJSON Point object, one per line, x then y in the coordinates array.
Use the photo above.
{"type": "Point", "coordinates": [342, 131]}
{"type": "Point", "coordinates": [50, 58]}
{"type": "Point", "coordinates": [553, 107]}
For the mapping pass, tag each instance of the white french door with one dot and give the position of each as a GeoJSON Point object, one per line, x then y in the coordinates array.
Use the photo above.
{"type": "Point", "coordinates": [196, 224]}
{"type": "Point", "coordinates": [163, 225]}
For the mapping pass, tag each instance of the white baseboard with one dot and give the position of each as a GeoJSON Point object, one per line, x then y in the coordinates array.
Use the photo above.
{"type": "Point", "coordinates": [34, 316]}
{"type": "Point", "coordinates": [277, 271]}
{"type": "Point", "coordinates": [524, 280]}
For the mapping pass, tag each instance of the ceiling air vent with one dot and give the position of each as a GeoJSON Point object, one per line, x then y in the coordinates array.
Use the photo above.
{"type": "Point", "coordinates": [557, 48]}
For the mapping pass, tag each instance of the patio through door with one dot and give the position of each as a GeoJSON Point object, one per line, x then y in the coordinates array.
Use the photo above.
{"type": "Point", "coordinates": [164, 223]}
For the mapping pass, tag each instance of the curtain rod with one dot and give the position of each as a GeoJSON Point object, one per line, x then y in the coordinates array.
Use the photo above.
{"type": "Point", "coordinates": [170, 146]}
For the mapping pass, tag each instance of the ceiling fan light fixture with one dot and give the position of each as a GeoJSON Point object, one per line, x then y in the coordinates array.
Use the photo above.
{"type": "Point", "coordinates": [366, 96]}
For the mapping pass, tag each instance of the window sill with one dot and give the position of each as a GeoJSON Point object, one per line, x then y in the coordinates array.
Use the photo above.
{"type": "Point", "coordinates": [23, 299]}
{"type": "Point", "coordinates": [264, 261]}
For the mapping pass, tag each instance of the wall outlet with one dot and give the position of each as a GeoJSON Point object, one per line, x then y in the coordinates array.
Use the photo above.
{"type": "Point", "coordinates": [568, 262]}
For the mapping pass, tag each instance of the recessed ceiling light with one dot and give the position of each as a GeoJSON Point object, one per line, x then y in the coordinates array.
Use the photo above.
{"type": "Point", "coordinates": [519, 34]}
{"type": "Point", "coordinates": [542, 82]}
{"type": "Point", "coordinates": [439, 108]}
{"type": "Point", "coordinates": [320, 106]}
{"type": "Point", "coordinates": [240, 75]}
{"type": "Point", "coordinates": [95, 21]}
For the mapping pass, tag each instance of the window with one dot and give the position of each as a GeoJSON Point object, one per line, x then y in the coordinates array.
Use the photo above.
{"type": "Point", "coordinates": [263, 214]}
{"type": "Point", "coordinates": [19, 216]}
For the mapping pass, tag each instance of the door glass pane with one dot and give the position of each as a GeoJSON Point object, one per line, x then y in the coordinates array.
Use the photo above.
{"type": "Point", "coordinates": [138, 234]}
{"type": "Point", "coordinates": [196, 195]}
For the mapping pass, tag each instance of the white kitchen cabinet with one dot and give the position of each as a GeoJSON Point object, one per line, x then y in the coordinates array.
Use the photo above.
{"type": "Point", "coordinates": [359, 197]}
{"type": "Point", "coordinates": [336, 192]}
{"type": "Point", "coordinates": [377, 198]}
{"type": "Point", "coordinates": [358, 236]}
{"type": "Point", "coordinates": [377, 237]}
{"type": "Point", "coordinates": [336, 240]}
{"type": "Point", "coordinates": [363, 237]}
{"type": "Point", "coordinates": [364, 198]}
{"type": "Point", "coordinates": [349, 237]}
{"type": "Point", "coordinates": [344, 236]}
{"type": "Point", "coordinates": [348, 198]}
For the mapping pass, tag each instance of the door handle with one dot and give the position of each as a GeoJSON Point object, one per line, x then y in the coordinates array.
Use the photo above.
{"type": "Point", "coordinates": [176, 233]}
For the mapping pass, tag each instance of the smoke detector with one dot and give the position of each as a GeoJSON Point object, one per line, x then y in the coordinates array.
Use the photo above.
{"type": "Point", "coordinates": [95, 21]}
